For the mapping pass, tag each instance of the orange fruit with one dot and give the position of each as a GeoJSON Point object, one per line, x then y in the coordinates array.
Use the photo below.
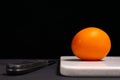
{"type": "Point", "coordinates": [91, 43]}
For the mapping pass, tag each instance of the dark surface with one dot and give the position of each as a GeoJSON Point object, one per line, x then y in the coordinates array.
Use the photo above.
{"type": "Point", "coordinates": [50, 72]}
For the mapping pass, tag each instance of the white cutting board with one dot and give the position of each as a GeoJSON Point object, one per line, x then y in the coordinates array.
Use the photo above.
{"type": "Point", "coordinates": [73, 66]}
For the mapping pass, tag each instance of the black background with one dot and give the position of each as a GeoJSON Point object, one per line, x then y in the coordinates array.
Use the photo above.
{"type": "Point", "coordinates": [46, 28]}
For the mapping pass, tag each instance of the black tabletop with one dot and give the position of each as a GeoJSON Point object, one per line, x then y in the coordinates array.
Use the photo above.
{"type": "Point", "coordinates": [50, 72]}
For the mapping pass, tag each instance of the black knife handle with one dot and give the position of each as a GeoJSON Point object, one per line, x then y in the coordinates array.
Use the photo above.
{"type": "Point", "coordinates": [26, 66]}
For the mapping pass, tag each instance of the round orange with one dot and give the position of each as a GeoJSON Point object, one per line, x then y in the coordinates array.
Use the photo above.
{"type": "Point", "coordinates": [91, 43]}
